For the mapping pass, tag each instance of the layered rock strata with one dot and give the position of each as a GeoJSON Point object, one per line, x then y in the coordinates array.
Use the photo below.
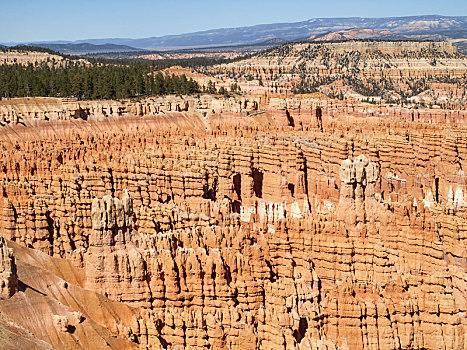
{"type": "Point", "coordinates": [256, 233]}
{"type": "Point", "coordinates": [392, 60]}
{"type": "Point", "coordinates": [114, 267]}
{"type": "Point", "coordinates": [24, 110]}
{"type": "Point", "coordinates": [357, 193]}
{"type": "Point", "coordinates": [374, 71]}
{"type": "Point", "coordinates": [8, 276]}
{"type": "Point", "coordinates": [52, 310]}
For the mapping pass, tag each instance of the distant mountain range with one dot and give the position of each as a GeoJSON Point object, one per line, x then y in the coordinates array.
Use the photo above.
{"type": "Point", "coordinates": [430, 27]}
{"type": "Point", "coordinates": [86, 48]}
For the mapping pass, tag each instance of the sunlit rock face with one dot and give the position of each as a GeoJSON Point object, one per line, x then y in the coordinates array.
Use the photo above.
{"type": "Point", "coordinates": [251, 233]}
{"type": "Point", "coordinates": [8, 275]}
{"type": "Point", "coordinates": [24, 110]}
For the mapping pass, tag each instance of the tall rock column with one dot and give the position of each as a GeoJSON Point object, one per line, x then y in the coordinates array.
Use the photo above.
{"type": "Point", "coordinates": [372, 177]}
{"type": "Point", "coordinates": [346, 206]}
{"type": "Point", "coordinates": [111, 220]}
{"type": "Point", "coordinates": [360, 164]}
{"type": "Point", "coordinates": [8, 276]}
{"type": "Point", "coordinates": [357, 202]}
{"type": "Point", "coordinates": [114, 266]}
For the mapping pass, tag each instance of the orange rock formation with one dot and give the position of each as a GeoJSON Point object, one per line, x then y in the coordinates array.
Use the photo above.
{"type": "Point", "coordinates": [394, 71]}
{"type": "Point", "coordinates": [276, 229]}
{"type": "Point", "coordinates": [26, 110]}
{"type": "Point", "coordinates": [8, 277]}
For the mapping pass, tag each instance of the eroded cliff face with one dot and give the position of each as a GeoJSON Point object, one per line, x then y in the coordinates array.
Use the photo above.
{"type": "Point", "coordinates": [262, 231]}
{"type": "Point", "coordinates": [8, 276]}
{"type": "Point", "coordinates": [26, 110]}
{"type": "Point", "coordinates": [395, 61]}
{"type": "Point", "coordinates": [27, 57]}
{"type": "Point", "coordinates": [397, 72]}
{"type": "Point", "coordinates": [114, 267]}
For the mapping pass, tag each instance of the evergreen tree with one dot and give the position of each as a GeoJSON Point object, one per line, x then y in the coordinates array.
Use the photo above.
{"type": "Point", "coordinates": [91, 81]}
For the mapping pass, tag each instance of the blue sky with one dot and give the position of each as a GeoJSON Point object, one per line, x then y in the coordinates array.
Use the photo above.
{"type": "Point", "coordinates": [36, 20]}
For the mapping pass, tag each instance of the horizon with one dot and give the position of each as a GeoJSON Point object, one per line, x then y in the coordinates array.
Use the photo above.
{"type": "Point", "coordinates": [82, 41]}
{"type": "Point", "coordinates": [24, 21]}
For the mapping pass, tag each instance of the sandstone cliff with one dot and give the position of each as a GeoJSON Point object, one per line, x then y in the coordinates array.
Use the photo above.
{"type": "Point", "coordinates": [8, 277]}
{"type": "Point", "coordinates": [267, 231]}
{"type": "Point", "coordinates": [27, 57]}
{"type": "Point", "coordinates": [392, 71]}
{"type": "Point", "coordinates": [51, 310]}
{"type": "Point", "coordinates": [25, 110]}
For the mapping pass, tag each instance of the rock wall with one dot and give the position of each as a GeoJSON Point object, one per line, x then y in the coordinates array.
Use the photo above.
{"type": "Point", "coordinates": [377, 59]}
{"type": "Point", "coordinates": [25, 110]}
{"type": "Point", "coordinates": [357, 202]}
{"type": "Point", "coordinates": [373, 70]}
{"type": "Point", "coordinates": [8, 276]}
{"type": "Point", "coordinates": [52, 310]}
{"type": "Point", "coordinates": [256, 233]}
{"type": "Point", "coordinates": [113, 267]}
{"type": "Point", "coordinates": [27, 57]}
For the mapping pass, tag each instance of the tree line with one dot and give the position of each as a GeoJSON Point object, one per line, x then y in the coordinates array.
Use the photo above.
{"type": "Point", "coordinates": [91, 81]}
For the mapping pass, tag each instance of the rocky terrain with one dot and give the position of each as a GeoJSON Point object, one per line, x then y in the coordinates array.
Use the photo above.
{"type": "Point", "coordinates": [27, 110]}
{"type": "Point", "coordinates": [253, 218]}
{"type": "Point", "coordinates": [355, 34]}
{"type": "Point", "coordinates": [296, 222]}
{"type": "Point", "coordinates": [9, 57]}
{"type": "Point", "coordinates": [394, 71]}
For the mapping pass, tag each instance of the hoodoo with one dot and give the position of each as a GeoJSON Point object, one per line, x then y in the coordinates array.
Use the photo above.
{"type": "Point", "coordinates": [310, 196]}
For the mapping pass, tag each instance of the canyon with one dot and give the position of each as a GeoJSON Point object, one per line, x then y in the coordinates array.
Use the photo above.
{"type": "Point", "coordinates": [261, 218]}
{"type": "Point", "coordinates": [432, 73]}
{"type": "Point", "coordinates": [270, 230]}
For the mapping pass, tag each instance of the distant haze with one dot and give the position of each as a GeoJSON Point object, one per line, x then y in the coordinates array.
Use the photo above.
{"type": "Point", "coordinates": [52, 20]}
{"type": "Point", "coordinates": [414, 28]}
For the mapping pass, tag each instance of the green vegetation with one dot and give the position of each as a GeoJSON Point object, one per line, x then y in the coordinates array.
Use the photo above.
{"type": "Point", "coordinates": [102, 78]}
{"type": "Point", "coordinates": [27, 48]}
{"type": "Point", "coordinates": [91, 80]}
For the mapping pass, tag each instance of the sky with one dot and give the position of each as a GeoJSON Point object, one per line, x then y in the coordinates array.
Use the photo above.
{"type": "Point", "coordinates": [47, 20]}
